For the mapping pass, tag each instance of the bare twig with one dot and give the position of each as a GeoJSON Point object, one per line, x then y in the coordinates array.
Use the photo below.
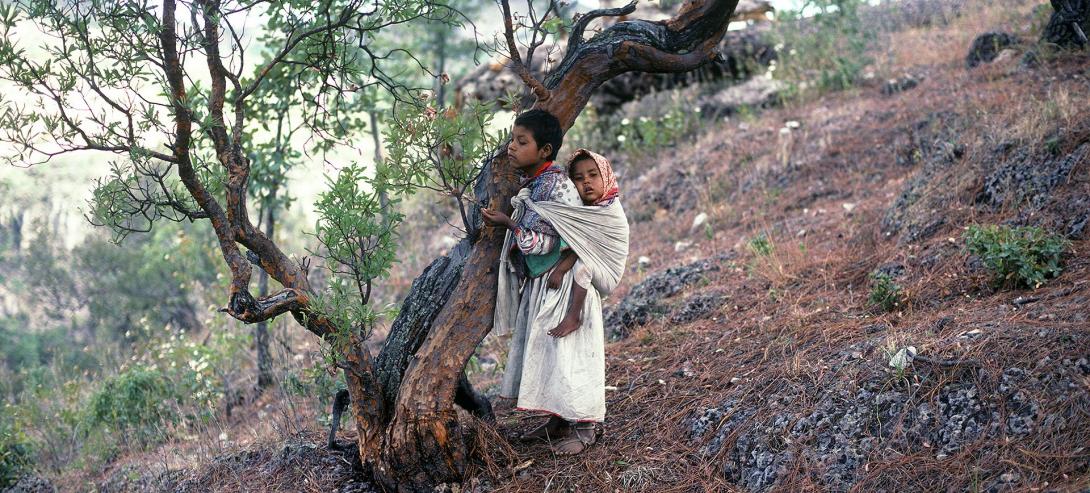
{"type": "Point", "coordinates": [516, 60]}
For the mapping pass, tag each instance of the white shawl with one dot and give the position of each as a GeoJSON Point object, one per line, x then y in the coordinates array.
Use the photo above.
{"type": "Point", "coordinates": [598, 235]}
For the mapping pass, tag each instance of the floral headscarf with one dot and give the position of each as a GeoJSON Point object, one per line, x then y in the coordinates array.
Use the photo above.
{"type": "Point", "coordinates": [604, 169]}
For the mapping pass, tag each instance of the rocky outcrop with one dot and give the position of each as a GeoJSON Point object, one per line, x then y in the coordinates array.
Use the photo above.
{"type": "Point", "coordinates": [649, 298]}
{"type": "Point", "coordinates": [850, 426]}
{"type": "Point", "coordinates": [987, 46]}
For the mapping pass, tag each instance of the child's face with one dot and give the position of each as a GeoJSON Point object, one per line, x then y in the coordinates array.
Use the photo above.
{"type": "Point", "coordinates": [524, 151]}
{"type": "Point", "coordinates": [588, 181]}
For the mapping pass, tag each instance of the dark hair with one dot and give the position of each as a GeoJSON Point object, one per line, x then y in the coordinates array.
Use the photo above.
{"type": "Point", "coordinates": [579, 155]}
{"type": "Point", "coordinates": [544, 127]}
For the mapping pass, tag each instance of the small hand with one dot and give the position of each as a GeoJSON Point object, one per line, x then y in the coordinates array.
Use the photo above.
{"type": "Point", "coordinates": [495, 217]}
{"type": "Point", "coordinates": [567, 326]}
{"type": "Point", "coordinates": [555, 278]}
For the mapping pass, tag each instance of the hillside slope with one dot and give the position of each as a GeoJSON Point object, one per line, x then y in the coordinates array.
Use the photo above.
{"type": "Point", "coordinates": [751, 358]}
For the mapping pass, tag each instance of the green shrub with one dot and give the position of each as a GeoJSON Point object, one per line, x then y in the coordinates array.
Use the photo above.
{"type": "Point", "coordinates": [760, 245]}
{"type": "Point", "coordinates": [821, 47]}
{"type": "Point", "coordinates": [884, 293]}
{"type": "Point", "coordinates": [133, 401]}
{"type": "Point", "coordinates": [15, 451]}
{"type": "Point", "coordinates": [660, 121]}
{"type": "Point", "coordinates": [1017, 256]}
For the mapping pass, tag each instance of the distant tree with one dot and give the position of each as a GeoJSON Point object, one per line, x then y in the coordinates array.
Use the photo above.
{"type": "Point", "coordinates": [129, 78]}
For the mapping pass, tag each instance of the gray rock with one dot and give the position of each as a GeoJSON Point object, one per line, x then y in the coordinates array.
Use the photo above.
{"type": "Point", "coordinates": [1061, 28]}
{"type": "Point", "coordinates": [932, 143]}
{"type": "Point", "coordinates": [697, 306]}
{"type": "Point", "coordinates": [987, 46]}
{"type": "Point", "coordinates": [647, 299]}
{"type": "Point", "coordinates": [31, 484]}
{"type": "Point", "coordinates": [757, 92]}
{"type": "Point", "coordinates": [900, 84]}
{"type": "Point", "coordinates": [1028, 179]}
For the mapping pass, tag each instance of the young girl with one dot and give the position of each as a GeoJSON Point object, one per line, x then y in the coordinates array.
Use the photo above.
{"type": "Point", "coordinates": [557, 361]}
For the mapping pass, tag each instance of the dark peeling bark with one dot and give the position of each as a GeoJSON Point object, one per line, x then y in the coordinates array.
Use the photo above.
{"type": "Point", "coordinates": [428, 293]}
{"type": "Point", "coordinates": [1069, 24]}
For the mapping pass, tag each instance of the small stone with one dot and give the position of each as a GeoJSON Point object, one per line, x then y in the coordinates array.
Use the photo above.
{"type": "Point", "coordinates": [903, 358]}
{"type": "Point", "coordinates": [699, 221]}
{"type": "Point", "coordinates": [682, 245]}
{"type": "Point", "coordinates": [848, 206]}
{"type": "Point", "coordinates": [969, 334]}
{"type": "Point", "coordinates": [1005, 56]}
{"type": "Point", "coordinates": [901, 84]}
{"type": "Point", "coordinates": [734, 380]}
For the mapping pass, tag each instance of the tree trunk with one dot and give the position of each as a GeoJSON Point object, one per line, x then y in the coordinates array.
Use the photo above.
{"type": "Point", "coordinates": [441, 67]}
{"type": "Point", "coordinates": [425, 445]}
{"type": "Point", "coordinates": [1069, 23]}
{"type": "Point", "coordinates": [17, 230]}
{"type": "Point", "coordinates": [261, 330]}
{"type": "Point", "coordinates": [412, 437]}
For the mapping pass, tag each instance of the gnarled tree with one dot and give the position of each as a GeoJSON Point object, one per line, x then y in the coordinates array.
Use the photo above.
{"type": "Point", "coordinates": [185, 154]}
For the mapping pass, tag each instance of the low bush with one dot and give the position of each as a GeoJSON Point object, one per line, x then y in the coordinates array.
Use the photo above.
{"type": "Point", "coordinates": [822, 46]}
{"type": "Point", "coordinates": [1017, 256]}
{"type": "Point", "coordinates": [15, 452]}
{"type": "Point", "coordinates": [132, 403]}
{"type": "Point", "coordinates": [884, 293]}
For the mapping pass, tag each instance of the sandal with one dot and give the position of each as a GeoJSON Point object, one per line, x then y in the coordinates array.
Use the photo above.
{"type": "Point", "coordinates": [584, 436]}
{"type": "Point", "coordinates": [551, 429]}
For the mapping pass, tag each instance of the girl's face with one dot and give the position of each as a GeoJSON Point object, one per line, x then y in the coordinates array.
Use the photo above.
{"type": "Point", "coordinates": [523, 150]}
{"type": "Point", "coordinates": [588, 181]}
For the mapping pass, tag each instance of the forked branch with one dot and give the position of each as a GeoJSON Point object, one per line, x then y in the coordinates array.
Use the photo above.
{"type": "Point", "coordinates": [517, 64]}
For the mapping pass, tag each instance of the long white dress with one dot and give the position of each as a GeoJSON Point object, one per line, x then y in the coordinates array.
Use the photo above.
{"type": "Point", "coordinates": [563, 376]}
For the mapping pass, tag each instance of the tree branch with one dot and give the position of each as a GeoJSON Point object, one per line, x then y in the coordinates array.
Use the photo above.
{"type": "Point", "coordinates": [516, 60]}
{"type": "Point", "coordinates": [580, 26]}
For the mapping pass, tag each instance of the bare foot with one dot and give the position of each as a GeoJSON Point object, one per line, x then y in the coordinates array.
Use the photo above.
{"type": "Point", "coordinates": [582, 438]}
{"type": "Point", "coordinates": [567, 326]}
{"type": "Point", "coordinates": [553, 428]}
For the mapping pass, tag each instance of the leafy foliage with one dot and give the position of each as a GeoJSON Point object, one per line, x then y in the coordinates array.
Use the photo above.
{"type": "Point", "coordinates": [356, 227]}
{"type": "Point", "coordinates": [761, 245]}
{"type": "Point", "coordinates": [663, 120]}
{"type": "Point", "coordinates": [172, 263]}
{"type": "Point", "coordinates": [821, 46]}
{"type": "Point", "coordinates": [437, 151]}
{"type": "Point", "coordinates": [1017, 256]}
{"type": "Point", "coordinates": [15, 451]}
{"type": "Point", "coordinates": [132, 402]}
{"type": "Point", "coordinates": [884, 293]}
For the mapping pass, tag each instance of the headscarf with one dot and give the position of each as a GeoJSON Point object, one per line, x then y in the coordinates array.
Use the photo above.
{"type": "Point", "coordinates": [609, 179]}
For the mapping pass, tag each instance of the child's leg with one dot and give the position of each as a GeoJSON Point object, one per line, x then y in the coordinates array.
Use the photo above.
{"type": "Point", "coordinates": [572, 319]}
